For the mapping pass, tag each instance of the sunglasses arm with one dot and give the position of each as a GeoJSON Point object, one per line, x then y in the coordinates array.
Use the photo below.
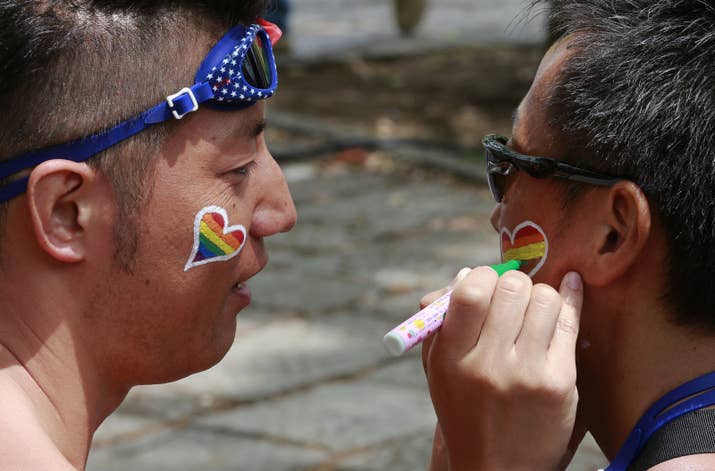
{"type": "Point", "coordinates": [568, 172]}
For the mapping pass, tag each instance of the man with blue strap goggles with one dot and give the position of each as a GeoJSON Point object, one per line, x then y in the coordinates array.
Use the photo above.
{"type": "Point", "coordinates": [128, 268]}
{"type": "Point", "coordinates": [238, 72]}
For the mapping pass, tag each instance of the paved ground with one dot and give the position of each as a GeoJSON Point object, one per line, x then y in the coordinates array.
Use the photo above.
{"type": "Point", "coordinates": [308, 384]}
{"type": "Point", "coordinates": [342, 27]}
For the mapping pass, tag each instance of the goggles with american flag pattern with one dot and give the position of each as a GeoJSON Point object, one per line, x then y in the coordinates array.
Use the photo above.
{"type": "Point", "coordinates": [239, 71]}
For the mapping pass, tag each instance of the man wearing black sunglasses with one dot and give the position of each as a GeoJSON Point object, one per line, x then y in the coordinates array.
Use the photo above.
{"type": "Point", "coordinates": [612, 156]}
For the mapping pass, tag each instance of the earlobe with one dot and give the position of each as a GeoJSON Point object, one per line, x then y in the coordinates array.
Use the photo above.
{"type": "Point", "coordinates": [624, 228]}
{"type": "Point", "coordinates": [56, 195]}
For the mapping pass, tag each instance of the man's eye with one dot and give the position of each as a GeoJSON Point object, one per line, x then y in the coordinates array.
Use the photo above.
{"type": "Point", "coordinates": [245, 170]}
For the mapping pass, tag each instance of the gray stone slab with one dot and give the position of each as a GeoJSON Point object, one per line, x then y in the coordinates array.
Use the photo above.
{"type": "Point", "coordinates": [338, 27]}
{"type": "Point", "coordinates": [403, 253]}
{"type": "Point", "coordinates": [299, 172]}
{"type": "Point", "coordinates": [193, 450]}
{"type": "Point", "coordinates": [122, 426]}
{"type": "Point", "coordinates": [588, 457]}
{"type": "Point", "coordinates": [429, 260]}
{"type": "Point", "coordinates": [311, 237]}
{"type": "Point", "coordinates": [393, 308]}
{"type": "Point", "coordinates": [407, 373]}
{"type": "Point", "coordinates": [342, 416]}
{"type": "Point", "coordinates": [327, 188]}
{"type": "Point", "coordinates": [404, 201]}
{"type": "Point", "coordinates": [305, 293]}
{"type": "Point", "coordinates": [407, 454]}
{"type": "Point", "coordinates": [315, 262]}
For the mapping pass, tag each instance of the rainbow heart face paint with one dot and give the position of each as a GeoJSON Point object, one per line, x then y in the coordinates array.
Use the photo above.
{"type": "Point", "coordinates": [214, 240]}
{"type": "Point", "coordinates": [527, 243]}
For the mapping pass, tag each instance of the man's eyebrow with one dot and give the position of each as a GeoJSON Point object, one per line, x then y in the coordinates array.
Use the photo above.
{"type": "Point", "coordinates": [253, 129]}
{"type": "Point", "coordinates": [259, 127]}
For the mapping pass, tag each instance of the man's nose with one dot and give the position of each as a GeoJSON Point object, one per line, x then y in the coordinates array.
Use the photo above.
{"type": "Point", "coordinates": [275, 211]}
{"type": "Point", "coordinates": [494, 219]}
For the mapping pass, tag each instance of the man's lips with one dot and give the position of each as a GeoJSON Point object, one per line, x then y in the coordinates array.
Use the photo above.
{"type": "Point", "coordinates": [243, 291]}
{"type": "Point", "coordinates": [242, 280]}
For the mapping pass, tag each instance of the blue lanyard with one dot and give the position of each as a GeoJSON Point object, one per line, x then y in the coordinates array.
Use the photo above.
{"type": "Point", "coordinates": [694, 395]}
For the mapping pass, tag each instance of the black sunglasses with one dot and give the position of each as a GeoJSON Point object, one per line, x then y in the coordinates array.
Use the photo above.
{"type": "Point", "coordinates": [503, 161]}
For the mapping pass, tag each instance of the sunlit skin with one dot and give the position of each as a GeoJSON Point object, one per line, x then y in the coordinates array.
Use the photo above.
{"type": "Point", "coordinates": [76, 332]}
{"type": "Point", "coordinates": [234, 171]}
{"type": "Point", "coordinates": [628, 352]}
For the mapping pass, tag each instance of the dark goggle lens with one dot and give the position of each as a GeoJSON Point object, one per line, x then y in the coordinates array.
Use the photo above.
{"type": "Point", "coordinates": [497, 183]}
{"type": "Point", "coordinates": [256, 65]}
{"type": "Point", "coordinates": [496, 175]}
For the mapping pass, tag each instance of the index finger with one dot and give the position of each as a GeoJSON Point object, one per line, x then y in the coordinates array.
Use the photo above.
{"type": "Point", "coordinates": [467, 310]}
{"type": "Point", "coordinates": [429, 298]}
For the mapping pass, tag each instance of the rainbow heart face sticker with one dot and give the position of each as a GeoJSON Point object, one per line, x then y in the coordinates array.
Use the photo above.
{"type": "Point", "coordinates": [527, 243]}
{"type": "Point", "coordinates": [214, 241]}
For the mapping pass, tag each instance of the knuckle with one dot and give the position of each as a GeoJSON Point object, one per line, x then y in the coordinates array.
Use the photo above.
{"type": "Point", "coordinates": [526, 383]}
{"type": "Point", "coordinates": [557, 390]}
{"type": "Point", "coordinates": [545, 389]}
{"type": "Point", "coordinates": [567, 325]}
{"type": "Point", "coordinates": [545, 297]}
{"type": "Point", "coordinates": [429, 298]}
{"type": "Point", "coordinates": [470, 295]}
{"type": "Point", "coordinates": [513, 283]}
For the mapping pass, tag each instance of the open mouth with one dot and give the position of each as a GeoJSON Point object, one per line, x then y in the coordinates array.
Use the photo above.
{"type": "Point", "coordinates": [241, 285]}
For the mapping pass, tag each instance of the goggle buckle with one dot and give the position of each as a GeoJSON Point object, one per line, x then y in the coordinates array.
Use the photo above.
{"type": "Point", "coordinates": [184, 91]}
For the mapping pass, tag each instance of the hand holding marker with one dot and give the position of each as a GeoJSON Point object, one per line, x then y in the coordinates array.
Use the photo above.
{"type": "Point", "coordinates": [427, 321]}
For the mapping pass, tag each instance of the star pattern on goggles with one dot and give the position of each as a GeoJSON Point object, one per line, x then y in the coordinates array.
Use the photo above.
{"type": "Point", "coordinates": [226, 79]}
{"type": "Point", "coordinates": [237, 72]}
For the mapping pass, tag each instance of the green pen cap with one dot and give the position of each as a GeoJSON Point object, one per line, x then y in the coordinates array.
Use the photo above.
{"type": "Point", "coordinates": [505, 267]}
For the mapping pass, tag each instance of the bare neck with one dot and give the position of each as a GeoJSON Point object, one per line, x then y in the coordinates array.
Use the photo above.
{"type": "Point", "coordinates": [635, 359]}
{"type": "Point", "coordinates": [52, 379]}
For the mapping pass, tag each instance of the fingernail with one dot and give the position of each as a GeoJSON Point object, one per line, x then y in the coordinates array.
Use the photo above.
{"type": "Point", "coordinates": [460, 276]}
{"type": "Point", "coordinates": [463, 273]}
{"type": "Point", "coordinates": [573, 281]}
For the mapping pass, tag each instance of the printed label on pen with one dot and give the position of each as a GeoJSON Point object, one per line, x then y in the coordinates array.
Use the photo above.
{"type": "Point", "coordinates": [420, 326]}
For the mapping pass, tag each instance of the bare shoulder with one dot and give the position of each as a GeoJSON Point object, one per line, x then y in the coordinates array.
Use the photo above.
{"type": "Point", "coordinates": [19, 439]}
{"type": "Point", "coordinates": [704, 462]}
{"type": "Point", "coordinates": [25, 444]}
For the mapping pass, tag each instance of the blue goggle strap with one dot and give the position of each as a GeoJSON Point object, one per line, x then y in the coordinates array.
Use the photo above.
{"type": "Point", "coordinates": [211, 87]}
{"type": "Point", "coordinates": [176, 106]}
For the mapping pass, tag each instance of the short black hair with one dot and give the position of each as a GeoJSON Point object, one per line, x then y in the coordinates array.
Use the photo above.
{"type": "Point", "coordinates": [71, 68]}
{"type": "Point", "coordinates": [637, 100]}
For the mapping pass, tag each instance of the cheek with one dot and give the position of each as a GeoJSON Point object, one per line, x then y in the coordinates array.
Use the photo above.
{"type": "Point", "coordinates": [215, 239]}
{"type": "Point", "coordinates": [527, 225]}
{"type": "Point", "coordinates": [526, 242]}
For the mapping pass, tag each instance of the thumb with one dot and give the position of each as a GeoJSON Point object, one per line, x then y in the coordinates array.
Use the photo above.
{"type": "Point", "coordinates": [563, 344]}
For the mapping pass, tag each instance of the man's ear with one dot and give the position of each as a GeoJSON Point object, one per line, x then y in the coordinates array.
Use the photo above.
{"type": "Point", "coordinates": [622, 226]}
{"type": "Point", "coordinates": [59, 200]}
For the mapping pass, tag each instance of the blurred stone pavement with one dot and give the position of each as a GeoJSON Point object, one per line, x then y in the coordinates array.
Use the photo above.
{"type": "Point", "coordinates": [308, 384]}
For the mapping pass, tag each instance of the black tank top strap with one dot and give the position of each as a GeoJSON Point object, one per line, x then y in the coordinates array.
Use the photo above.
{"type": "Point", "coordinates": [689, 434]}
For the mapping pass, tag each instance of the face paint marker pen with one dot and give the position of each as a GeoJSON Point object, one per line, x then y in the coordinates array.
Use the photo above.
{"type": "Point", "coordinates": [427, 321]}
